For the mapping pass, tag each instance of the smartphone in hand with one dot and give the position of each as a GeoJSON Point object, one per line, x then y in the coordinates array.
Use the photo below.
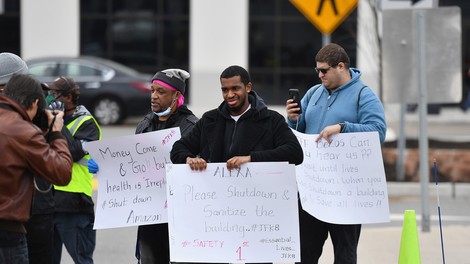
{"type": "Point", "coordinates": [295, 95]}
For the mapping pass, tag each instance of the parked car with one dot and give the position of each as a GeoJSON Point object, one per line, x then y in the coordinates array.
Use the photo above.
{"type": "Point", "coordinates": [109, 90]}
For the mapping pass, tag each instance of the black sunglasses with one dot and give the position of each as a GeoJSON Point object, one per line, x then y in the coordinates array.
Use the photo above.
{"type": "Point", "coordinates": [322, 70]}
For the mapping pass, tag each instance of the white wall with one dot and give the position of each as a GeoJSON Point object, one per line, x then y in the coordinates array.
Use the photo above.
{"type": "Point", "coordinates": [219, 38]}
{"type": "Point", "coordinates": [50, 27]}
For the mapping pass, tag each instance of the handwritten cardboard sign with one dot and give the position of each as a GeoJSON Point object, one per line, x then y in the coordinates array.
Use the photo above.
{"type": "Point", "coordinates": [245, 215]}
{"type": "Point", "coordinates": [343, 182]}
{"type": "Point", "coordinates": [131, 178]}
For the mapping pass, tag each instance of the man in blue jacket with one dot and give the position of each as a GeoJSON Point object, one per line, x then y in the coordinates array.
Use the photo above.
{"type": "Point", "coordinates": [341, 104]}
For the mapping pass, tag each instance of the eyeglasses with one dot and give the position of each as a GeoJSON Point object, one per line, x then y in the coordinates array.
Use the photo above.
{"type": "Point", "coordinates": [322, 70]}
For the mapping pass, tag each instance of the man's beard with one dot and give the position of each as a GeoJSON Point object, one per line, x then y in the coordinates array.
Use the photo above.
{"type": "Point", "coordinates": [234, 109]}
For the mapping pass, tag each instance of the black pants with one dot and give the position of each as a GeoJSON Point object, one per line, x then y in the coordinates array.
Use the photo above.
{"type": "Point", "coordinates": [154, 244]}
{"type": "Point", "coordinates": [314, 232]}
{"type": "Point", "coordinates": [40, 238]}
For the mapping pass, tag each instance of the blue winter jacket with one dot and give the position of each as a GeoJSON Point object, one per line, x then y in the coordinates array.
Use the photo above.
{"type": "Point", "coordinates": [353, 103]}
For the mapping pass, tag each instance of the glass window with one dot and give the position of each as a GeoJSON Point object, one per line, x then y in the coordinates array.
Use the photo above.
{"type": "Point", "coordinates": [145, 35]}
{"type": "Point", "coordinates": [262, 46]}
{"type": "Point", "coordinates": [94, 40]}
{"type": "Point", "coordinates": [175, 49]}
{"type": "Point", "coordinates": [12, 6]}
{"type": "Point", "coordinates": [289, 10]}
{"type": "Point", "coordinates": [93, 6]}
{"type": "Point", "coordinates": [134, 41]}
{"type": "Point", "coordinates": [78, 70]}
{"type": "Point", "coordinates": [263, 84]}
{"type": "Point", "coordinates": [283, 45]}
{"type": "Point", "coordinates": [10, 26]}
{"type": "Point", "coordinates": [135, 8]}
{"type": "Point", "coordinates": [43, 69]}
{"type": "Point", "coordinates": [10, 32]}
{"type": "Point", "coordinates": [300, 79]}
{"type": "Point", "coordinates": [299, 44]}
{"type": "Point", "coordinates": [262, 8]}
{"type": "Point", "coordinates": [176, 7]}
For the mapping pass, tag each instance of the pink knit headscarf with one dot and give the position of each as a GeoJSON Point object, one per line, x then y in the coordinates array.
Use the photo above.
{"type": "Point", "coordinates": [166, 85]}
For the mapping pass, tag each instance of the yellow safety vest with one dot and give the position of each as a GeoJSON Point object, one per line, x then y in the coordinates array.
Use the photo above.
{"type": "Point", "coordinates": [81, 181]}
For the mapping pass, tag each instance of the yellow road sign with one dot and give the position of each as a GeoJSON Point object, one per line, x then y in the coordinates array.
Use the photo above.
{"type": "Point", "coordinates": [326, 15]}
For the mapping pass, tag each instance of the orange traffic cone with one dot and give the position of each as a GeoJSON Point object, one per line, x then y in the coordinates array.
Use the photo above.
{"type": "Point", "coordinates": [409, 246]}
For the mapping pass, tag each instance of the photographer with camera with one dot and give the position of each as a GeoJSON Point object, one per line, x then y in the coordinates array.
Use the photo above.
{"type": "Point", "coordinates": [74, 208]}
{"type": "Point", "coordinates": [26, 153]}
{"type": "Point", "coordinates": [40, 226]}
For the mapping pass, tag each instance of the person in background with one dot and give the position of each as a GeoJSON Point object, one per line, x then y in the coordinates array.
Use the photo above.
{"type": "Point", "coordinates": [168, 110]}
{"type": "Point", "coordinates": [10, 64]}
{"type": "Point", "coordinates": [26, 152]}
{"type": "Point", "coordinates": [242, 129]}
{"type": "Point", "coordinates": [341, 104]}
{"type": "Point", "coordinates": [74, 208]}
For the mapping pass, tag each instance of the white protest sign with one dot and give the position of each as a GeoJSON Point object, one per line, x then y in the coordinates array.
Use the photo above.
{"type": "Point", "coordinates": [245, 215]}
{"type": "Point", "coordinates": [131, 178]}
{"type": "Point", "coordinates": [343, 182]}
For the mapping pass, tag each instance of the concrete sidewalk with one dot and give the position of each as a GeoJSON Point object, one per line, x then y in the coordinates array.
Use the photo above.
{"type": "Point", "coordinates": [381, 243]}
{"type": "Point", "coordinates": [414, 188]}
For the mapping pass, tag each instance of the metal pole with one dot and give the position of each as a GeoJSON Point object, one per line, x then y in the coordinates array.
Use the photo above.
{"type": "Point", "coordinates": [436, 177]}
{"type": "Point", "coordinates": [423, 133]}
{"type": "Point", "coordinates": [326, 39]}
{"type": "Point", "coordinates": [401, 145]}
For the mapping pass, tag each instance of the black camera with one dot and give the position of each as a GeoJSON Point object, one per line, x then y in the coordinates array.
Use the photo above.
{"type": "Point", "coordinates": [41, 119]}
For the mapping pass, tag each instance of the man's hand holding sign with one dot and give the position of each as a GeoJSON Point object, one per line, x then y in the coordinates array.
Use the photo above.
{"type": "Point", "coordinates": [343, 181]}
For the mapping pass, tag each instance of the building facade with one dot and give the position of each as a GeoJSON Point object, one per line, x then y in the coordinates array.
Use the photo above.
{"type": "Point", "coordinates": [269, 37]}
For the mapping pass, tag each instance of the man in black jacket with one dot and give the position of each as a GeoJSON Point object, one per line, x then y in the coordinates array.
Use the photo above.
{"type": "Point", "coordinates": [168, 110]}
{"type": "Point", "coordinates": [242, 129]}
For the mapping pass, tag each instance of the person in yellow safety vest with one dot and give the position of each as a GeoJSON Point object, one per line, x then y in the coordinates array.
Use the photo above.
{"type": "Point", "coordinates": [74, 209]}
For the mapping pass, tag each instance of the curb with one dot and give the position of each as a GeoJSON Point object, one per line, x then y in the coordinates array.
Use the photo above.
{"type": "Point", "coordinates": [450, 189]}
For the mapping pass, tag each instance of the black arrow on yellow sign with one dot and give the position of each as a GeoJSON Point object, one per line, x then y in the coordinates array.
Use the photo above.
{"type": "Point", "coordinates": [333, 5]}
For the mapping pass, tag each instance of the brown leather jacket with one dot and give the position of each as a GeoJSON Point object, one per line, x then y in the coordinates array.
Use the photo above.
{"type": "Point", "coordinates": [24, 152]}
